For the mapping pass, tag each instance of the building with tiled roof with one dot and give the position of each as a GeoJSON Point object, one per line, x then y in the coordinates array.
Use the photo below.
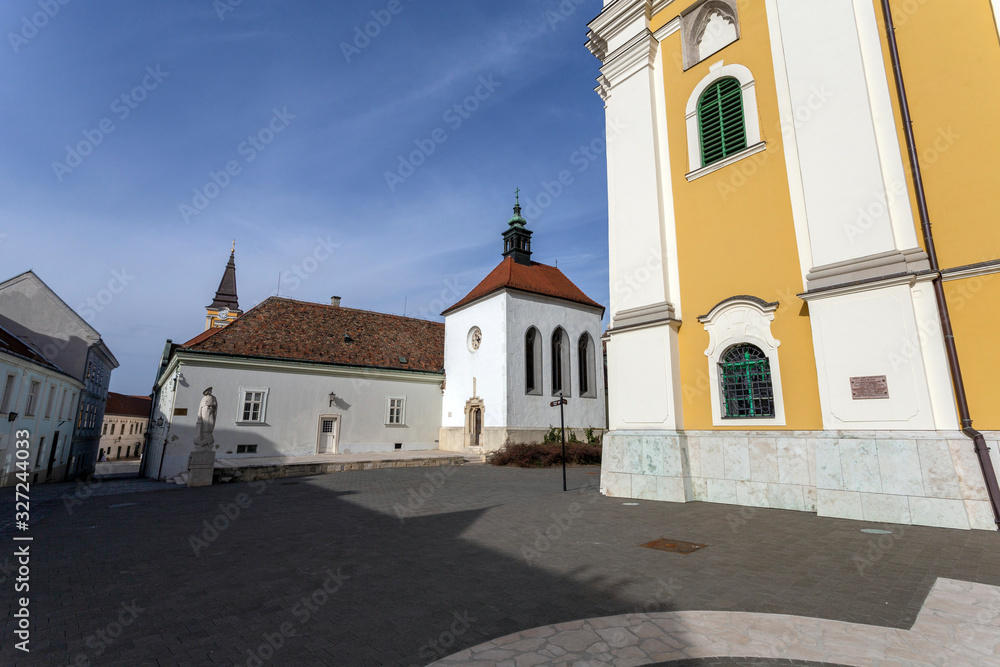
{"type": "Point", "coordinates": [523, 336]}
{"type": "Point", "coordinates": [126, 419]}
{"type": "Point", "coordinates": [293, 378]}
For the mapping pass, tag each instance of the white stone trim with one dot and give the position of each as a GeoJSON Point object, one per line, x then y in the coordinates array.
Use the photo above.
{"type": "Point", "coordinates": [786, 115]}
{"type": "Point", "coordinates": [241, 399]}
{"type": "Point", "coordinates": [750, 113]}
{"type": "Point", "coordinates": [868, 286]}
{"type": "Point", "coordinates": [971, 271]}
{"type": "Point", "coordinates": [996, 15]}
{"type": "Point", "coordinates": [402, 410]}
{"type": "Point", "coordinates": [669, 252]}
{"type": "Point", "coordinates": [742, 321]}
{"type": "Point", "coordinates": [725, 162]}
{"type": "Point", "coordinates": [890, 151]}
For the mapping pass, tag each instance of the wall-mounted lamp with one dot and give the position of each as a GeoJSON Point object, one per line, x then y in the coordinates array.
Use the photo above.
{"type": "Point", "coordinates": [333, 398]}
{"type": "Point", "coordinates": [159, 422]}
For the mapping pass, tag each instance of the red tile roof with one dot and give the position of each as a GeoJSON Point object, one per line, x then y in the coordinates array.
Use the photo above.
{"type": "Point", "coordinates": [290, 330]}
{"type": "Point", "coordinates": [536, 279]}
{"type": "Point", "coordinates": [132, 406]}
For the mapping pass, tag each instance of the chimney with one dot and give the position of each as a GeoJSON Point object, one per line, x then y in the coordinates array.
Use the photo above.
{"type": "Point", "coordinates": [335, 301]}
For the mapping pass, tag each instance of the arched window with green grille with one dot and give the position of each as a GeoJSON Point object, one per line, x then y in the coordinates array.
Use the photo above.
{"type": "Point", "coordinates": [745, 380]}
{"type": "Point", "coordinates": [721, 122]}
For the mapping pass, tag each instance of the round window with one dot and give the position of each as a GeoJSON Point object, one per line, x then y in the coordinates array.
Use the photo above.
{"type": "Point", "coordinates": [475, 338]}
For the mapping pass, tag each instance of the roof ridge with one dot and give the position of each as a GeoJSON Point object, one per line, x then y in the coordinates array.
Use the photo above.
{"type": "Point", "coordinates": [357, 310]}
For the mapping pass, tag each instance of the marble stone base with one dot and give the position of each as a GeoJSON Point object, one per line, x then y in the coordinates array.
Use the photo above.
{"type": "Point", "coordinates": [926, 478]}
{"type": "Point", "coordinates": [201, 467]}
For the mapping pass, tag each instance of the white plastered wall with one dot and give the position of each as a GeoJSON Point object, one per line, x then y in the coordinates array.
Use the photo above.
{"type": "Point", "coordinates": [545, 314]}
{"type": "Point", "coordinates": [297, 396]}
{"type": "Point", "coordinates": [487, 365]}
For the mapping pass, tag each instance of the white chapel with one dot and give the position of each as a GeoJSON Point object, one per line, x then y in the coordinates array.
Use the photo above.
{"type": "Point", "coordinates": [523, 337]}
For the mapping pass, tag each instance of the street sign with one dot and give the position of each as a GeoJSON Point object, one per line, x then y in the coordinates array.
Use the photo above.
{"type": "Point", "coordinates": [561, 401]}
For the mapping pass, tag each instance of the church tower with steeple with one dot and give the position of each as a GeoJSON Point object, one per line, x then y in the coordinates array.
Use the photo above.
{"type": "Point", "coordinates": [226, 306]}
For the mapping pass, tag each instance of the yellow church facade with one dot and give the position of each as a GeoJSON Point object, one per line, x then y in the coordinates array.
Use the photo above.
{"type": "Point", "coordinates": [804, 294]}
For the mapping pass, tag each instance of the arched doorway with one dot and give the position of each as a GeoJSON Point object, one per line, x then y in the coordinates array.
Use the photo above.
{"type": "Point", "coordinates": [474, 413]}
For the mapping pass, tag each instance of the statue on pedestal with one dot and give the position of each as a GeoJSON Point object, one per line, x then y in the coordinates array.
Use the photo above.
{"type": "Point", "coordinates": [207, 410]}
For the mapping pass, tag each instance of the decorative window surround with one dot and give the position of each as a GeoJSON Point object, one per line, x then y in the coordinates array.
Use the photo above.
{"type": "Point", "coordinates": [751, 116]}
{"type": "Point", "coordinates": [725, 162]}
{"type": "Point", "coordinates": [395, 411]}
{"type": "Point", "coordinates": [698, 20]}
{"type": "Point", "coordinates": [247, 395]}
{"type": "Point", "coordinates": [742, 319]}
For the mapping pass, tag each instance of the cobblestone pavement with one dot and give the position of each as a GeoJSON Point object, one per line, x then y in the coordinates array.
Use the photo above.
{"type": "Point", "coordinates": [408, 566]}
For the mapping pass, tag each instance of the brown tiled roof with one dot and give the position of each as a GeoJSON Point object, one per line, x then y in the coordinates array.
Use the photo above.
{"type": "Point", "coordinates": [202, 336]}
{"type": "Point", "coordinates": [132, 406]}
{"type": "Point", "coordinates": [537, 279]}
{"type": "Point", "coordinates": [291, 330]}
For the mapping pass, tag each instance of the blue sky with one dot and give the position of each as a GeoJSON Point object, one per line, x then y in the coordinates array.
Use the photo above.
{"type": "Point", "coordinates": [141, 139]}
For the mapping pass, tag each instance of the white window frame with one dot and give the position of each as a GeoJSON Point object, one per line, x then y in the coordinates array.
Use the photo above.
{"type": "Point", "coordinates": [736, 321]}
{"type": "Point", "coordinates": [751, 118]}
{"type": "Point", "coordinates": [9, 387]}
{"type": "Point", "coordinates": [50, 403]}
{"type": "Point", "coordinates": [402, 410]}
{"type": "Point", "coordinates": [262, 417]}
{"type": "Point", "coordinates": [31, 402]}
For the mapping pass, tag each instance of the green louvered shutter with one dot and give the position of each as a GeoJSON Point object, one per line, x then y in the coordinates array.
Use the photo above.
{"type": "Point", "coordinates": [721, 122]}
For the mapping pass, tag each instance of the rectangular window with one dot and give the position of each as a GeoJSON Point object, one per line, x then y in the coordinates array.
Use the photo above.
{"type": "Point", "coordinates": [246, 449]}
{"type": "Point", "coordinates": [104, 430]}
{"type": "Point", "coordinates": [8, 393]}
{"type": "Point", "coordinates": [62, 405]}
{"type": "Point", "coordinates": [395, 411]}
{"type": "Point", "coordinates": [41, 450]}
{"type": "Point", "coordinates": [50, 402]}
{"type": "Point", "coordinates": [253, 405]}
{"type": "Point", "coordinates": [31, 406]}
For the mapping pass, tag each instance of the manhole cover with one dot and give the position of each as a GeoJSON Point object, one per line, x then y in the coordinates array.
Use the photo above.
{"type": "Point", "coordinates": [674, 546]}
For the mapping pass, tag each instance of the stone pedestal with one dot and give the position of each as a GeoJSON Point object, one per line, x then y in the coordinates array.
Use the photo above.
{"type": "Point", "coordinates": [201, 465]}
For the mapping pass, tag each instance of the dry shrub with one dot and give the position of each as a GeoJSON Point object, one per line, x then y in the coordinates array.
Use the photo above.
{"type": "Point", "coordinates": [546, 455]}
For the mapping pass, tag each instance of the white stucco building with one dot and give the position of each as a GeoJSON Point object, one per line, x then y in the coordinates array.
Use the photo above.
{"type": "Point", "coordinates": [296, 379]}
{"type": "Point", "coordinates": [39, 398]}
{"type": "Point", "coordinates": [524, 336]}
{"type": "Point", "coordinates": [35, 314]}
{"type": "Point", "coordinates": [123, 431]}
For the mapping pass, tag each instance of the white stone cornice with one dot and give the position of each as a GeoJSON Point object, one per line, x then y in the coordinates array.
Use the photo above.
{"type": "Point", "coordinates": [910, 279]}
{"type": "Point", "coordinates": [972, 271]}
{"type": "Point", "coordinates": [633, 57]}
{"type": "Point", "coordinates": [667, 29]}
{"type": "Point", "coordinates": [620, 22]}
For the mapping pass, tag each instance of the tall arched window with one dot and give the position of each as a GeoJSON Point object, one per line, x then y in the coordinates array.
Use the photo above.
{"type": "Point", "coordinates": [560, 363]}
{"type": "Point", "coordinates": [721, 123]}
{"type": "Point", "coordinates": [533, 362]}
{"type": "Point", "coordinates": [745, 380]}
{"type": "Point", "coordinates": [585, 353]}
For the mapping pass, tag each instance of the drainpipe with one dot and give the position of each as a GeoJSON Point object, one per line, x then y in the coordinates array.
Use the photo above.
{"type": "Point", "coordinates": [982, 451]}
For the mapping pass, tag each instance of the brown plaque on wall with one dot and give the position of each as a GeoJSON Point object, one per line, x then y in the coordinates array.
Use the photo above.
{"type": "Point", "coordinates": [869, 387]}
{"type": "Point", "coordinates": [180, 412]}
